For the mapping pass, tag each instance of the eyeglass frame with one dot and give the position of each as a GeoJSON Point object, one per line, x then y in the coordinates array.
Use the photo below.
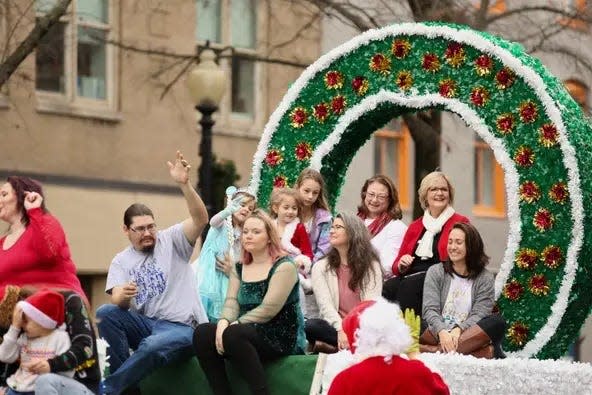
{"type": "Point", "coordinates": [151, 228]}
{"type": "Point", "coordinates": [436, 189]}
{"type": "Point", "coordinates": [379, 197]}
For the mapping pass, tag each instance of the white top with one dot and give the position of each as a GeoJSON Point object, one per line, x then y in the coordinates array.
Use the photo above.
{"type": "Point", "coordinates": [165, 280]}
{"type": "Point", "coordinates": [388, 242]}
{"type": "Point", "coordinates": [46, 347]}
{"type": "Point", "coordinates": [458, 302]}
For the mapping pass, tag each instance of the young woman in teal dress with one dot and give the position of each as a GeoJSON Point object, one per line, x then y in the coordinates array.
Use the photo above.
{"type": "Point", "coordinates": [261, 318]}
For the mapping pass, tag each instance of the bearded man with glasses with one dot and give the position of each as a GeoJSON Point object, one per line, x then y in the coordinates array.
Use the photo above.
{"type": "Point", "coordinates": [152, 286]}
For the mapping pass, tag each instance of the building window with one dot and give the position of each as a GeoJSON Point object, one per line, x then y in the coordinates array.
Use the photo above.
{"type": "Point", "coordinates": [73, 61]}
{"type": "Point", "coordinates": [579, 91]}
{"type": "Point", "coordinates": [233, 23]}
{"type": "Point", "coordinates": [489, 199]}
{"type": "Point", "coordinates": [391, 157]}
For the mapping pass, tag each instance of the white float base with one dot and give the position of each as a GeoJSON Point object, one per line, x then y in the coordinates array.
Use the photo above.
{"type": "Point", "coordinates": [469, 375]}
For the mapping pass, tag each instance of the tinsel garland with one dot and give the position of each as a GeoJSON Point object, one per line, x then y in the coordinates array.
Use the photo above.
{"type": "Point", "coordinates": [508, 98]}
{"type": "Point", "coordinates": [468, 375]}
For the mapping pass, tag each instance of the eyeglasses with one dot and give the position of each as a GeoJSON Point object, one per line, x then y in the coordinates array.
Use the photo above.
{"type": "Point", "coordinates": [435, 190]}
{"type": "Point", "coordinates": [380, 197]}
{"type": "Point", "coordinates": [337, 227]}
{"type": "Point", "coordinates": [141, 229]}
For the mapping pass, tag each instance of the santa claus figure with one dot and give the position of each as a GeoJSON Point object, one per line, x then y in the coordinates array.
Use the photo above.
{"type": "Point", "coordinates": [378, 335]}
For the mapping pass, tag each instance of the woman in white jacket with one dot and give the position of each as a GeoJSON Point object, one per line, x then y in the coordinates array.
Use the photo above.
{"type": "Point", "coordinates": [349, 274]}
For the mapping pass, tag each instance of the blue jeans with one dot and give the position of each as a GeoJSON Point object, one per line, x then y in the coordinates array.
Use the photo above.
{"type": "Point", "coordinates": [155, 344]}
{"type": "Point", "coordinates": [13, 392]}
{"type": "Point", "coordinates": [55, 384]}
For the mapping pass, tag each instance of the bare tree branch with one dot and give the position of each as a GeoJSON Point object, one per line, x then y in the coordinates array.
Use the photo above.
{"type": "Point", "coordinates": [481, 15]}
{"type": "Point", "coordinates": [342, 9]}
{"type": "Point", "coordinates": [298, 33]}
{"type": "Point", "coordinates": [27, 46]}
{"type": "Point", "coordinates": [573, 14]}
{"type": "Point", "coordinates": [168, 87]}
{"type": "Point", "coordinates": [15, 26]}
{"type": "Point", "coordinates": [570, 53]}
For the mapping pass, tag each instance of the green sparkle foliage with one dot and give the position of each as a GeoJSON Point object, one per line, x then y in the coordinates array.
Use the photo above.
{"type": "Point", "coordinates": [547, 167]}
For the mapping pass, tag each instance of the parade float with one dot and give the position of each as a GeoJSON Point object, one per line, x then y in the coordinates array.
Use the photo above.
{"type": "Point", "coordinates": [539, 136]}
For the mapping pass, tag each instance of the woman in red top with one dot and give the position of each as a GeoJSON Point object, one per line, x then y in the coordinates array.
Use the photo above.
{"type": "Point", "coordinates": [425, 242]}
{"type": "Point", "coordinates": [34, 251]}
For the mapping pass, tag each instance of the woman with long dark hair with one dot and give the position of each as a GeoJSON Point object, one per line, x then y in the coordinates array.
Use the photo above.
{"type": "Point", "coordinates": [458, 298]}
{"type": "Point", "coordinates": [349, 274]}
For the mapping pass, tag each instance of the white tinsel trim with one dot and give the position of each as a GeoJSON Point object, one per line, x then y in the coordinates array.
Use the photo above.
{"type": "Point", "coordinates": [102, 346]}
{"type": "Point", "coordinates": [468, 375]}
{"type": "Point", "coordinates": [37, 315]}
{"type": "Point", "coordinates": [382, 331]}
{"type": "Point", "coordinates": [535, 81]}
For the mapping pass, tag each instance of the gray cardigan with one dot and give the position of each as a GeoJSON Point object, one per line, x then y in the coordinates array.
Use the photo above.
{"type": "Point", "coordinates": [435, 291]}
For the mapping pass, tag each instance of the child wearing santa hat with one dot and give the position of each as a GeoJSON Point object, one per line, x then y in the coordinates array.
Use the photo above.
{"type": "Point", "coordinates": [377, 335]}
{"type": "Point", "coordinates": [41, 317]}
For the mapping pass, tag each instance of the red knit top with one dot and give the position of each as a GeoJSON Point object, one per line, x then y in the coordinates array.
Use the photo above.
{"type": "Point", "coordinates": [414, 232]}
{"type": "Point", "coordinates": [40, 257]}
{"type": "Point", "coordinates": [300, 240]}
{"type": "Point", "coordinates": [375, 376]}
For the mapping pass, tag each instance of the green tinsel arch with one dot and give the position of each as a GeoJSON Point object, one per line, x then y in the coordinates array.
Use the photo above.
{"type": "Point", "coordinates": [538, 134]}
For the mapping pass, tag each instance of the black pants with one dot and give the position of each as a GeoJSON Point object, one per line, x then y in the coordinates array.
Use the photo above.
{"type": "Point", "coordinates": [242, 347]}
{"type": "Point", "coordinates": [407, 291]}
{"type": "Point", "coordinates": [317, 329]}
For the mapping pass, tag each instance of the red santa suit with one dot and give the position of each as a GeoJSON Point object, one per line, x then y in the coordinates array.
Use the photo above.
{"type": "Point", "coordinates": [377, 335]}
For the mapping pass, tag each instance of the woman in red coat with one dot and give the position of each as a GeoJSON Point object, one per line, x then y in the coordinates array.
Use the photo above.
{"type": "Point", "coordinates": [34, 251]}
{"type": "Point", "coordinates": [424, 243]}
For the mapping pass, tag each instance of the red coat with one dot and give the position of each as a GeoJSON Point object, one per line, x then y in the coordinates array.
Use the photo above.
{"type": "Point", "coordinates": [40, 257]}
{"type": "Point", "coordinates": [374, 376]}
{"type": "Point", "coordinates": [301, 241]}
{"type": "Point", "coordinates": [415, 230]}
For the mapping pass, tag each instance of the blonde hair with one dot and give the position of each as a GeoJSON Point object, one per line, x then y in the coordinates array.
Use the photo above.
{"type": "Point", "coordinates": [229, 221]}
{"type": "Point", "coordinates": [312, 174]}
{"type": "Point", "coordinates": [277, 196]}
{"type": "Point", "coordinates": [427, 182]}
{"type": "Point", "coordinates": [274, 248]}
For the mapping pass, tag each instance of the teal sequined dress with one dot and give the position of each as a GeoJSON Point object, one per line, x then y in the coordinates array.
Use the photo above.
{"type": "Point", "coordinates": [284, 332]}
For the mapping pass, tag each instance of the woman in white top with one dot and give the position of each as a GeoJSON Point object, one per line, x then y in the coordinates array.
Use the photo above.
{"type": "Point", "coordinates": [348, 275]}
{"type": "Point", "coordinates": [458, 300]}
{"type": "Point", "coordinates": [381, 212]}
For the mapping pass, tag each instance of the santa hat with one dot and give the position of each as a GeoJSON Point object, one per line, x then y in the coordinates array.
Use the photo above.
{"type": "Point", "coordinates": [9, 296]}
{"type": "Point", "coordinates": [376, 328]}
{"type": "Point", "coordinates": [45, 308]}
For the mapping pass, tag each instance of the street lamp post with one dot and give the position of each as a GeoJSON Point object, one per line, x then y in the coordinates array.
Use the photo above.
{"type": "Point", "coordinates": [206, 83]}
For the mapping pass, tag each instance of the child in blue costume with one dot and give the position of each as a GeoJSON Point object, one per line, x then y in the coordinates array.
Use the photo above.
{"type": "Point", "coordinates": [222, 245]}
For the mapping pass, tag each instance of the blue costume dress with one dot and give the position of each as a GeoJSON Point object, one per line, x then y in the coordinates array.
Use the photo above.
{"type": "Point", "coordinates": [212, 283]}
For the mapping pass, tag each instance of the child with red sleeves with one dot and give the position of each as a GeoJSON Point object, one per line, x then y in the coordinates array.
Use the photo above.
{"type": "Point", "coordinates": [377, 334]}
{"type": "Point", "coordinates": [285, 208]}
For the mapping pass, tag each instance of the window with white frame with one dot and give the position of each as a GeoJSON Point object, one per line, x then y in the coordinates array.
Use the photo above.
{"type": "Point", "coordinates": [233, 23]}
{"type": "Point", "coordinates": [73, 60]}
